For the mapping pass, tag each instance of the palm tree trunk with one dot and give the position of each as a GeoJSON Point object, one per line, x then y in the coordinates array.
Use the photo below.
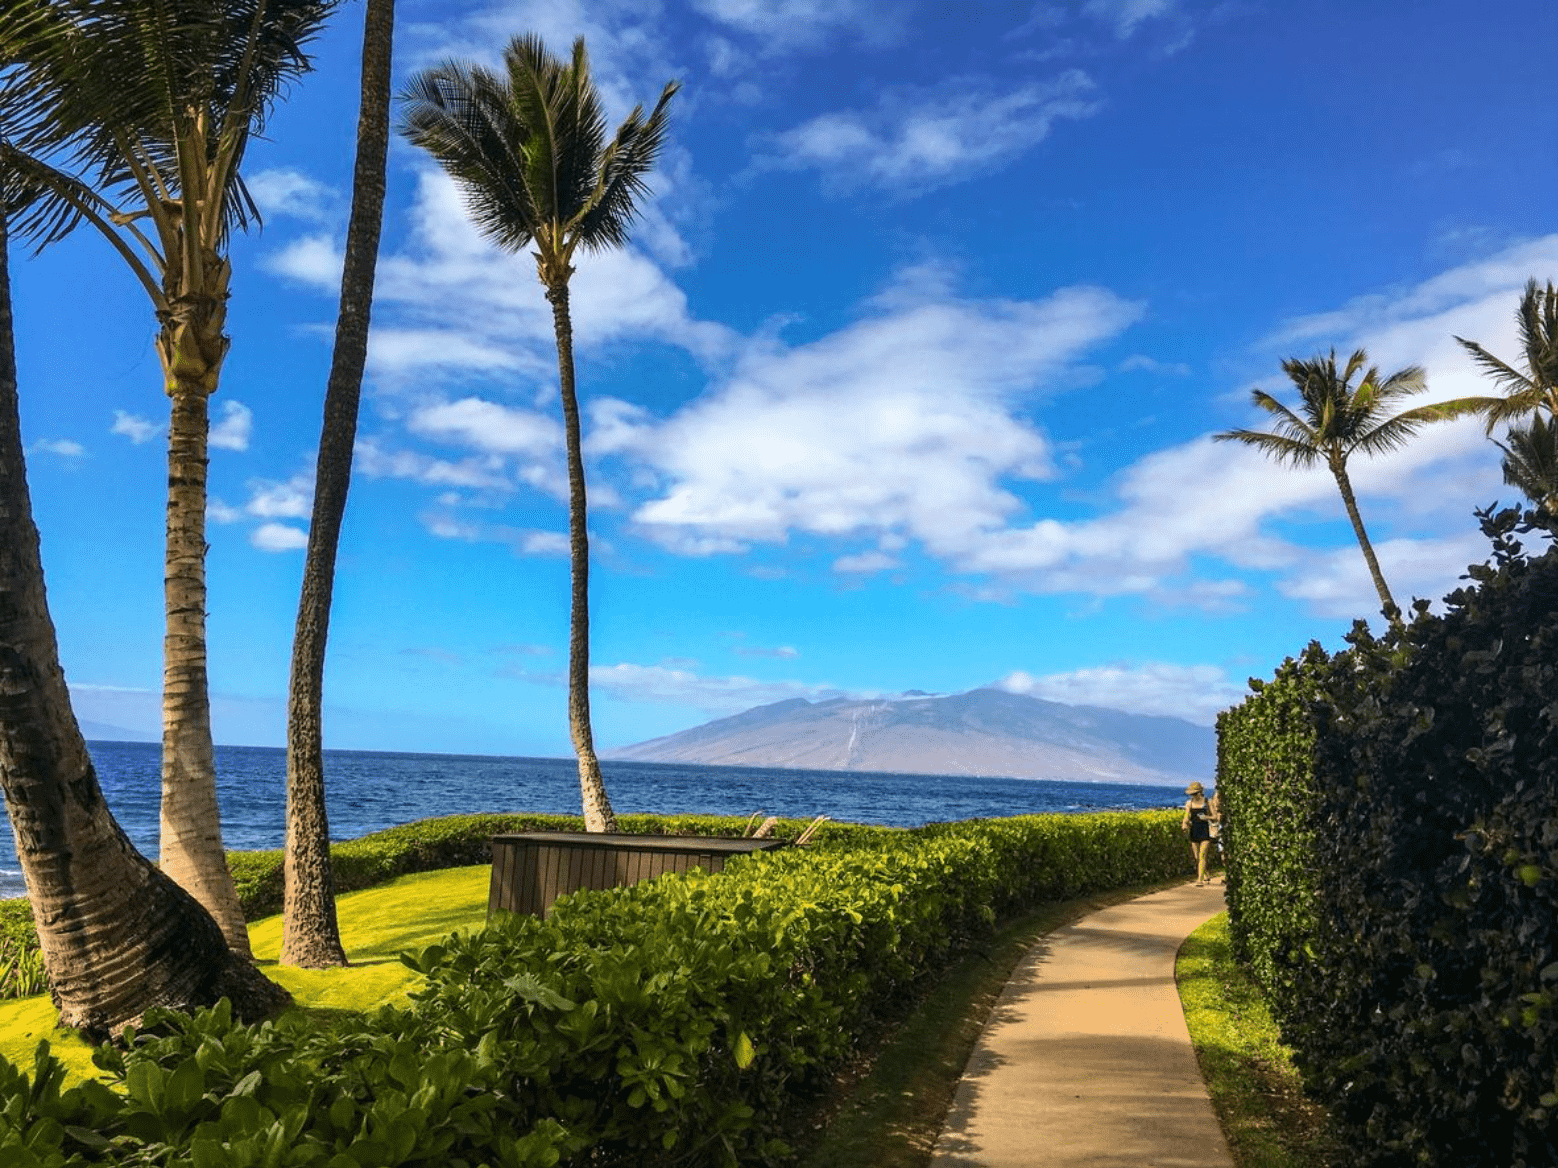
{"type": "Point", "coordinates": [310, 934]}
{"type": "Point", "coordinates": [1387, 603]}
{"type": "Point", "coordinates": [192, 852]}
{"type": "Point", "coordinates": [592, 787]}
{"type": "Point", "coordinates": [118, 936]}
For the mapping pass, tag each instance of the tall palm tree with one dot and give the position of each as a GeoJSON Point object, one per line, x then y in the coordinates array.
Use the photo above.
{"type": "Point", "coordinates": [133, 116]}
{"type": "Point", "coordinates": [310, 936]}
{"type": "Point", "coordinates": [529, 150]}
{"type": "Point", "coordinates": [1336, 419]}
{"type": "Point", "coordinates": [118, 936]}
{"type": "Point", "coordinates": [1535, 388]}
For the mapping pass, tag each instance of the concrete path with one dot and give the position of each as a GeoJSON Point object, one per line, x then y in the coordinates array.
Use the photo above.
{"type": "Point", "coordinates": [1086, 1061]}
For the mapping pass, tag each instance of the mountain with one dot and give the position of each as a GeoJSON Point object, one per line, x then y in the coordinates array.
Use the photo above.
{"type": "Point", "coordinates": [104, 732]}
{"type": "Point", "coordinates": [982, 732]}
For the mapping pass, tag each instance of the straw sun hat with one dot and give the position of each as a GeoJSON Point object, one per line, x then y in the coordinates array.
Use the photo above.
{"type": "Point", "coordinates": [1195, 789]}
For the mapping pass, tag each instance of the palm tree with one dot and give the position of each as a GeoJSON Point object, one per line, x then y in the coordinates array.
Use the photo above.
{"type": "Point", "coordinates": [529, 150]}
{"type": "Point", "coordinates": [1537, 387]}
{"type": "Point", "coordinates": [1337, 419]}
{"type": "Point", "coordinates": [133, 116]}
{"type": "Point", "coordinates": [118, 936]}
{"type": "Point", "coordinates": [1531, 457]}
{"type": "Point", "coordinates": [1531, 464]}
{"type": "Point", "coordinates": [310, 936]}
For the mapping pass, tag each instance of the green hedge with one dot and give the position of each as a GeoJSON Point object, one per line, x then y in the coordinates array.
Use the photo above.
{"type": "Point", "coordinates": [672, 1022]}
{"type": "Point", "coordinates": [1266, 789]}
{"type": "Point", "coordinates": [1400, 898]}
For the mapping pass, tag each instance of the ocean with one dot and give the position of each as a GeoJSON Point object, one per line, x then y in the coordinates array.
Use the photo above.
{"type": "Point", "coordinates": [368, 790]}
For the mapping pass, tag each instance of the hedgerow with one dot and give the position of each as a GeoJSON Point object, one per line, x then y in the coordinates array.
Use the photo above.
{"type": "Point", "coordinates": [672, 1022]}
{"type": "Point", "coordinates": [1417, 982]}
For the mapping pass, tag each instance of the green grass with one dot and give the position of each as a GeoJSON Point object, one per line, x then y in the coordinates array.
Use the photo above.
{"type": "Point", "coordinates": [1249, 1073]}
{"type": "Point", "coordinates": [409, 912]}
{"type": "Point", "coordinates": [889, 1109]}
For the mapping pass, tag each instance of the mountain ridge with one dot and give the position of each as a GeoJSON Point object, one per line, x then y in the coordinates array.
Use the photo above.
{"type": "Point", "coordinates": [984, 732]}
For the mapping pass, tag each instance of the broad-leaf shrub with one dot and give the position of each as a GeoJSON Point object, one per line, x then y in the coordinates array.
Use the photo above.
{"type": "Point", "coordinates": [671, 1022]}
{"type": "Point", "coordinates": [1266, 788]}
{"type": "Point", "coordinates": [1415, 971]}
{"type": "Point", "coordinates": [1429, 1026]}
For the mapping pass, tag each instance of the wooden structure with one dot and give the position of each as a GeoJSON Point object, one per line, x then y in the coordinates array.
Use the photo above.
{"type": "Point", "coordinates": [531, 869]}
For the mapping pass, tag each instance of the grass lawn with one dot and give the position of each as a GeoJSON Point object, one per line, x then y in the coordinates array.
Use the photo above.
{"type": "Point", "coordinates": [1249, 1074]}
{"type": "Point", "coordinates": [377, 924]}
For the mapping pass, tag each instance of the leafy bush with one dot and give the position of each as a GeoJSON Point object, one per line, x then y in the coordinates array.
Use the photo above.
{"type": "Point", "coordinates": [673, 1021]}
{"type": "Point", "coordinates": [1398, 895]}
{"type": "Point", "coordinates": [1266, 788]}
{"type": "Point", "coordinates": [1429, 1025]}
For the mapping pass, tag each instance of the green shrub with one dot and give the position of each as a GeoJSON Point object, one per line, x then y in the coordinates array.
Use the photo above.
{"type": "Point", "coordinates": [1266, 790]}
{"type": "Point", "coordinates": [1429, 1025]}
{"type": "Point", "coordinates": [671, 1022]}
{"type": "Point", "coordinates": [1393, 870]}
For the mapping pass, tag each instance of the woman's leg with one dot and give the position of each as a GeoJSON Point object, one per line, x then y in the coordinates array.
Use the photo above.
{"type": "Point", "coordinates": [1200, 849]}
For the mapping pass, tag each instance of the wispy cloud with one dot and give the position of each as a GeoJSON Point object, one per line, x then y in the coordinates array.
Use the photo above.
{"type": "Point", "coordinates": [278, 537]}
{"type": "Point", "coordinates": [66, 448]}
{"type": "Point", "coordinates": [233, 430]}
{"type": "Point", "coordinates": [714, 695]}
{"type": "Point", "coordinates": [912, 142]}
{"type": "Point", "coordinates": [285, 191]}
{"type": "Point", "coordinates": [1196, 693]}
{"type": "Point", "coordinates": [137, 429]}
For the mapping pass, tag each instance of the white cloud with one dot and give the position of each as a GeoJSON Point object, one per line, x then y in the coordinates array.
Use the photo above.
{"type": "Point", "coordinates": [284, 191]}
{"type": "Point", "coordinates": [522, 541]}
{"type": "Point", "coordinates": [64, 447]}
{"type": "Point", "coordinates": [780, 652]}
{"type": "Point", "coordinates": [902, 423]}
{"type": "Point", "coordinates": [1334, 583]}
{"type": "Point", "coordinates": [482, 473]}
{"type": "Point", "coordinates": [712, 695]}
{"type": "Point", "coordinates": [933, 138]}
{"type": "Point", "coordinates": [278, 537]}
{"type": "Point", "coordinates": [233, 430]}
{"type": "Point", "coordinates": [292, 499]}
{"type": "Point", "coordinates": [790, 24]}
{"type": "Point", "coordinates": [1139, 362]}
{"type": "Point", "coordinates": [314, 260]}
{"type": "Point", "coordinates": [864, 563]}
{"type": "Point", "coordinates": [489, 426]}
{"type": "Point", "coordinates": [136, 429]}
{"type": "Point", "coordinates": [1196, 693]}
{"type": "Point", "coordinates": [1126, 16]}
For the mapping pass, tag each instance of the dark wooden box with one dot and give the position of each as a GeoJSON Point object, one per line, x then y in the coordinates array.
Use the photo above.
{"type": "Point", "coordinates": [531, 869]}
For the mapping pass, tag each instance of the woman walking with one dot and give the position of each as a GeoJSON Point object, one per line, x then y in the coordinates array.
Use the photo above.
{"type": "Point", "coordinates": [1198, 822]}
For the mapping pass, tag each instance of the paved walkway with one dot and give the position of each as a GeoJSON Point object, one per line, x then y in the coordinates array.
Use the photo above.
{"type": "Point", "coordinates": [1086, 1061]}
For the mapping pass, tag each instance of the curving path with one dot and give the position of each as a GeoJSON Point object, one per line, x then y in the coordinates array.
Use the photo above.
{"type": "Point", "coordinates": [1085, 1061]}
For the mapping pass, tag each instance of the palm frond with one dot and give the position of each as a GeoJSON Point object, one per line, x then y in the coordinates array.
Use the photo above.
{"type": "Point", "coordinates": [612, 206]}
{"type": "Point", "coordinates": [462, 116]}
{"type": "Point", "coordinates": [1279, 446]}
{"type": "Point", "coordinates": [1531, 462]}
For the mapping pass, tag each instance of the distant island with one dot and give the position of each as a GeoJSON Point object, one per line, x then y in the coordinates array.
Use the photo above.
{"type": "Point", "coordinates": [982, 732]}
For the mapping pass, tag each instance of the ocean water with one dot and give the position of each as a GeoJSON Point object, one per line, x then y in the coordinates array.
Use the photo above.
{"type": "Point", "coordinates": [367, 791]}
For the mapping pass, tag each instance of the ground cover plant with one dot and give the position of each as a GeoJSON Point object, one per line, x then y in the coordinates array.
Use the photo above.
{"type": "Point", "coordinates": [677, 1021]}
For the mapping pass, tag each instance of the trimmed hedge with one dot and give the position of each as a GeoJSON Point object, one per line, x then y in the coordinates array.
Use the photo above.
{"type": "Point", "coordinates": [672, 1022]}
{"type": "Point", "coordinates": [1419, 992]}
{"type": "Point", "coordinates": [1266, 788]}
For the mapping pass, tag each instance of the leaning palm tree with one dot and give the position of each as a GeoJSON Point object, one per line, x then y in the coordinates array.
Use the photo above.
{"type": "Point", "coordinates": [133, 116]}
{"type": "Point", "coordinates": [310, 935]}
{"type": "Point", "coordinates": [1535, 387]}
{"type": "Point", "coordinates": [529, 150]}
{"type": "Point", "coordinates": [1335, 419]}
{"type": "Point", "coordinates": [118, 937]}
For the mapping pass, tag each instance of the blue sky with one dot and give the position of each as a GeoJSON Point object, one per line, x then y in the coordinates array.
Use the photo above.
{"type": "Point", "coordinates": [906, 382]}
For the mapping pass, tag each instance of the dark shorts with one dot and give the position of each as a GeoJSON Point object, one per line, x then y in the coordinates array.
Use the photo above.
{"type": "Point", "coordinates": [1200, 831]}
